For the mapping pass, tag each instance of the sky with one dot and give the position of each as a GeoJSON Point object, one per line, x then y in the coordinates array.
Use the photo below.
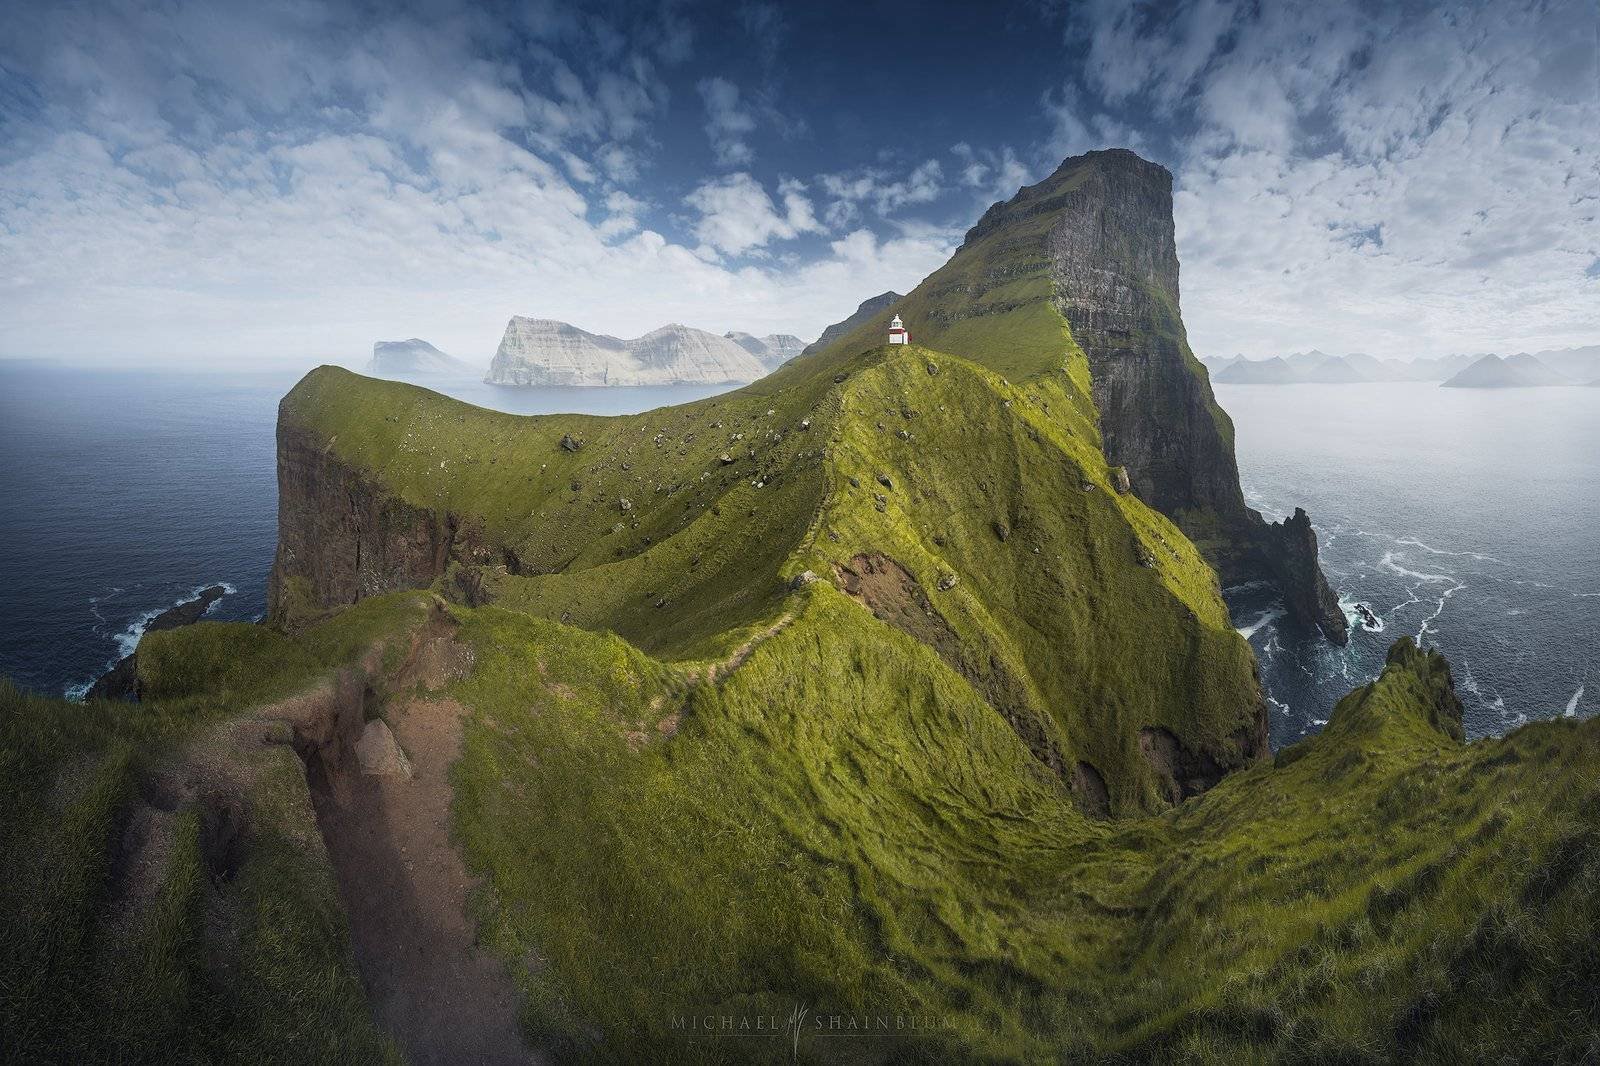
{"type": "Point", "coordinates": [213, 183]}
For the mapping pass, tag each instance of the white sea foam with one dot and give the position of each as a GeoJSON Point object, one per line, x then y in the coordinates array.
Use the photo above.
{"type": "Point", "coordinates": [1422, 631]}
{"type": "Point", "coordinates": [1355, 619]}
{"type": "Point", "coordinates": [1283, 708]}
{"type": "Point", "coordinates": [1415, 543]}
{"type": "Point", "coordinates": [1572, 704]}
{"type": "Point", "coordinates": [1388, 563]}
{"type": "Point", "coordinates": [1266, 619]}
{"type": "Point", "coordinates": [127, 641]}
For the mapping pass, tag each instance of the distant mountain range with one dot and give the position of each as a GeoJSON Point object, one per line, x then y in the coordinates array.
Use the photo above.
{"type": "Point", "coordinates": [773, 350]}
{"type": "Point", "coordinates": [1566, 366]}
{"type": "Point", "coordinates": [543, 352]}
{"type": "Point", "coordinates": [414, 356]}
{"type": "Point", "coordinates": [1519, 371]}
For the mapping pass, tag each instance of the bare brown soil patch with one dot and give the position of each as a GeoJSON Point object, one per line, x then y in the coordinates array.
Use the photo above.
{"type": "Point", "coordinates": [405, 888]}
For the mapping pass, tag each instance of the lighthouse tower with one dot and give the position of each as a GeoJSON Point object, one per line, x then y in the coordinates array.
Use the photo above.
{"type": "Point", "coordinates": [897, 332]}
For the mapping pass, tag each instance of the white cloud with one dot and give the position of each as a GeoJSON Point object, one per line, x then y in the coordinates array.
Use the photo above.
{"type": "Point", "coordinates": [198, 184]}
{"type": "Point", "coordinates": [1402, 181]}
{"type": "Point", "coordinates": [883, 189]}
{"type": "Point", "coordinates": [737, 215]}
{"type": "Point", "coordinates": [727, 122]}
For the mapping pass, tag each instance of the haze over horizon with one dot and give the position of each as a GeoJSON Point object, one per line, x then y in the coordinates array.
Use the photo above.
{"type": "Point", "coordinates": [192, 182]}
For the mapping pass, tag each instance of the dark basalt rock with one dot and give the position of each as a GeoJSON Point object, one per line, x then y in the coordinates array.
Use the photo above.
{"type": "Point", "coordinates": [342, 538]}
{"type": "Point", "coordinates": [1289, 548]}
{"type": "Point", "coordinates": [1114, 264]}
{"type": "Point", "coordinates": [121, 682]}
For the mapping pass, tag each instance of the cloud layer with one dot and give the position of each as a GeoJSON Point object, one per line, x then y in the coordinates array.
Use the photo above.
{"type": "Point", "coordinates": [219, 181]}
{"type": "Point", "coordinates": [1403, 179]}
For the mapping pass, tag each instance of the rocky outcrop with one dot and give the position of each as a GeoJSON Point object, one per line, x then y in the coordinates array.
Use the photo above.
{"type": "Point", "coordinates": [1114, 265]}
{"type": "Point", "coordinates": [868, 310]}
{"type": "Point", "coordinates": [341, 537]}
{"type": "Point", "coordinates": [1289, 549]}
{"type": "Point", "coordinates": [544, 352]}
{"type": "Point", "coordinates": [1184, 773]}
{"type": "Point", "coordinates": [121, 682]}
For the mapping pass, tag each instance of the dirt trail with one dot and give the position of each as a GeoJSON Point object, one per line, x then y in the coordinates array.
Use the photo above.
{"type": "Point", "coordinates": [405, 889]}
{"type": "Point", "coordinates": [736, 658]}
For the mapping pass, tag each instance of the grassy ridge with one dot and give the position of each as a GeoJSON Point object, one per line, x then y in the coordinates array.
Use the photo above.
{"type": "Point", "coordinates": [117, 953]}
{"type": "Point", "coordinates": [679, 530]}
{"type": "Point", "coordinates": [841, 824]}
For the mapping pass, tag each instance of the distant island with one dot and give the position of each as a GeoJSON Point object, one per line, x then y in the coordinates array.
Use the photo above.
{"type": "Point", "coordinates": [1567, 366]}
{"type": "Point", "coordinates": [544, 352]}
{"type": "Point", "coordinates": [414, 356]}
{"type": "Point", "coordinates": [1519, 371]}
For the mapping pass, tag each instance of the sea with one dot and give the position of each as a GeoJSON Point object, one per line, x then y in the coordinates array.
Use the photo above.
{"type": "Point", "coordinates": [124, 492]}
{"type": "Point", "coordinates": [1468, 520]}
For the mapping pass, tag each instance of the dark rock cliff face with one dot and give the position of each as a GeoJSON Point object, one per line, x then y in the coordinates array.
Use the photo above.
{"type": "Point", "coordinates": [1114, 264]}
{"type": "Point", "coordinates": [342, 538]}
{"type": "Point", "coordinates": [1289, 548]}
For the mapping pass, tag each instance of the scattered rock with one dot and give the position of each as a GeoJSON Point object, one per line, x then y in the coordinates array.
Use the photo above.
{"type": "Point", "coordinates": [883, 479]}
{"type": "Point", "coordinates": [1119, 478]}
{"type": "Point", "coordinates": [569, 443]}
{"type": "Point", "coordinates": [933, 369]}
{"type": "Point", "coordinates": [805, 423]}
{"type": "Point", "coordinates": [880, 502]}
{"type": "Point", "coordinates": [1142, 554]}
{"type": "Point", "coordinates": [948, 582]}
{"type": "Point", "coordinates": [625, 504]}
{"type": "Point", "coordinates": [378, 753]}
{"type": "Point", "coordinates": [1002, 531]}
{"type": "Point", "coordinates": [801, 580]}
{"type": "Point", "coordinates": [725, 459]}
{"type": "Point", "coordinates": [855, 482]}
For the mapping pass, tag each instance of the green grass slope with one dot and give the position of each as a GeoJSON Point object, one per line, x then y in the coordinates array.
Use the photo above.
{"type": "Point", "coordinates": [1083, 615]}
{"type": "Point", "coordinates": [164, 894]}
{"type": "Point", "coordinates": [696, 787]}
{"type": "Point", "coordinates": [840, 823]}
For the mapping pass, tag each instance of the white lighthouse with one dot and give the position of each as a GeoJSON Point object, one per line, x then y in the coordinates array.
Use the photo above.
{"type": "Point", "coordinates": [897, 332]}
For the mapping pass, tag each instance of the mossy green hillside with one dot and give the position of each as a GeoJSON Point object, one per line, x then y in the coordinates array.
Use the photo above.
{"type": "Point", "coordinates": [840, 822]}
{"type": "Point", "coordinates": [1092, 618]}
{"type": "Point", "coordinates": [993, 302]}
{"type": "Point", "coordinates": [814, 805]}
{"type": "Point", "coordinates": [186, 955]}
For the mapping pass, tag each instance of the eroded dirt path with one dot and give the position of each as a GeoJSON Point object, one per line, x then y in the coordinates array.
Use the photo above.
{"type": "Point", "coordinates": [405, 889]}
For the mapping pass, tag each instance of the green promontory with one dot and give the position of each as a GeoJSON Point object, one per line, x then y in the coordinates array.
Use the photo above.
{"type": "Point", "coordinates": [867, 697]}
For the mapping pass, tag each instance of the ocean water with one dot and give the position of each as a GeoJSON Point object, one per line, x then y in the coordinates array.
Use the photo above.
{"type": "Point", "coordinates": [1468, 519]}
{"type": "Point", "coordinates": [123, 492]}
